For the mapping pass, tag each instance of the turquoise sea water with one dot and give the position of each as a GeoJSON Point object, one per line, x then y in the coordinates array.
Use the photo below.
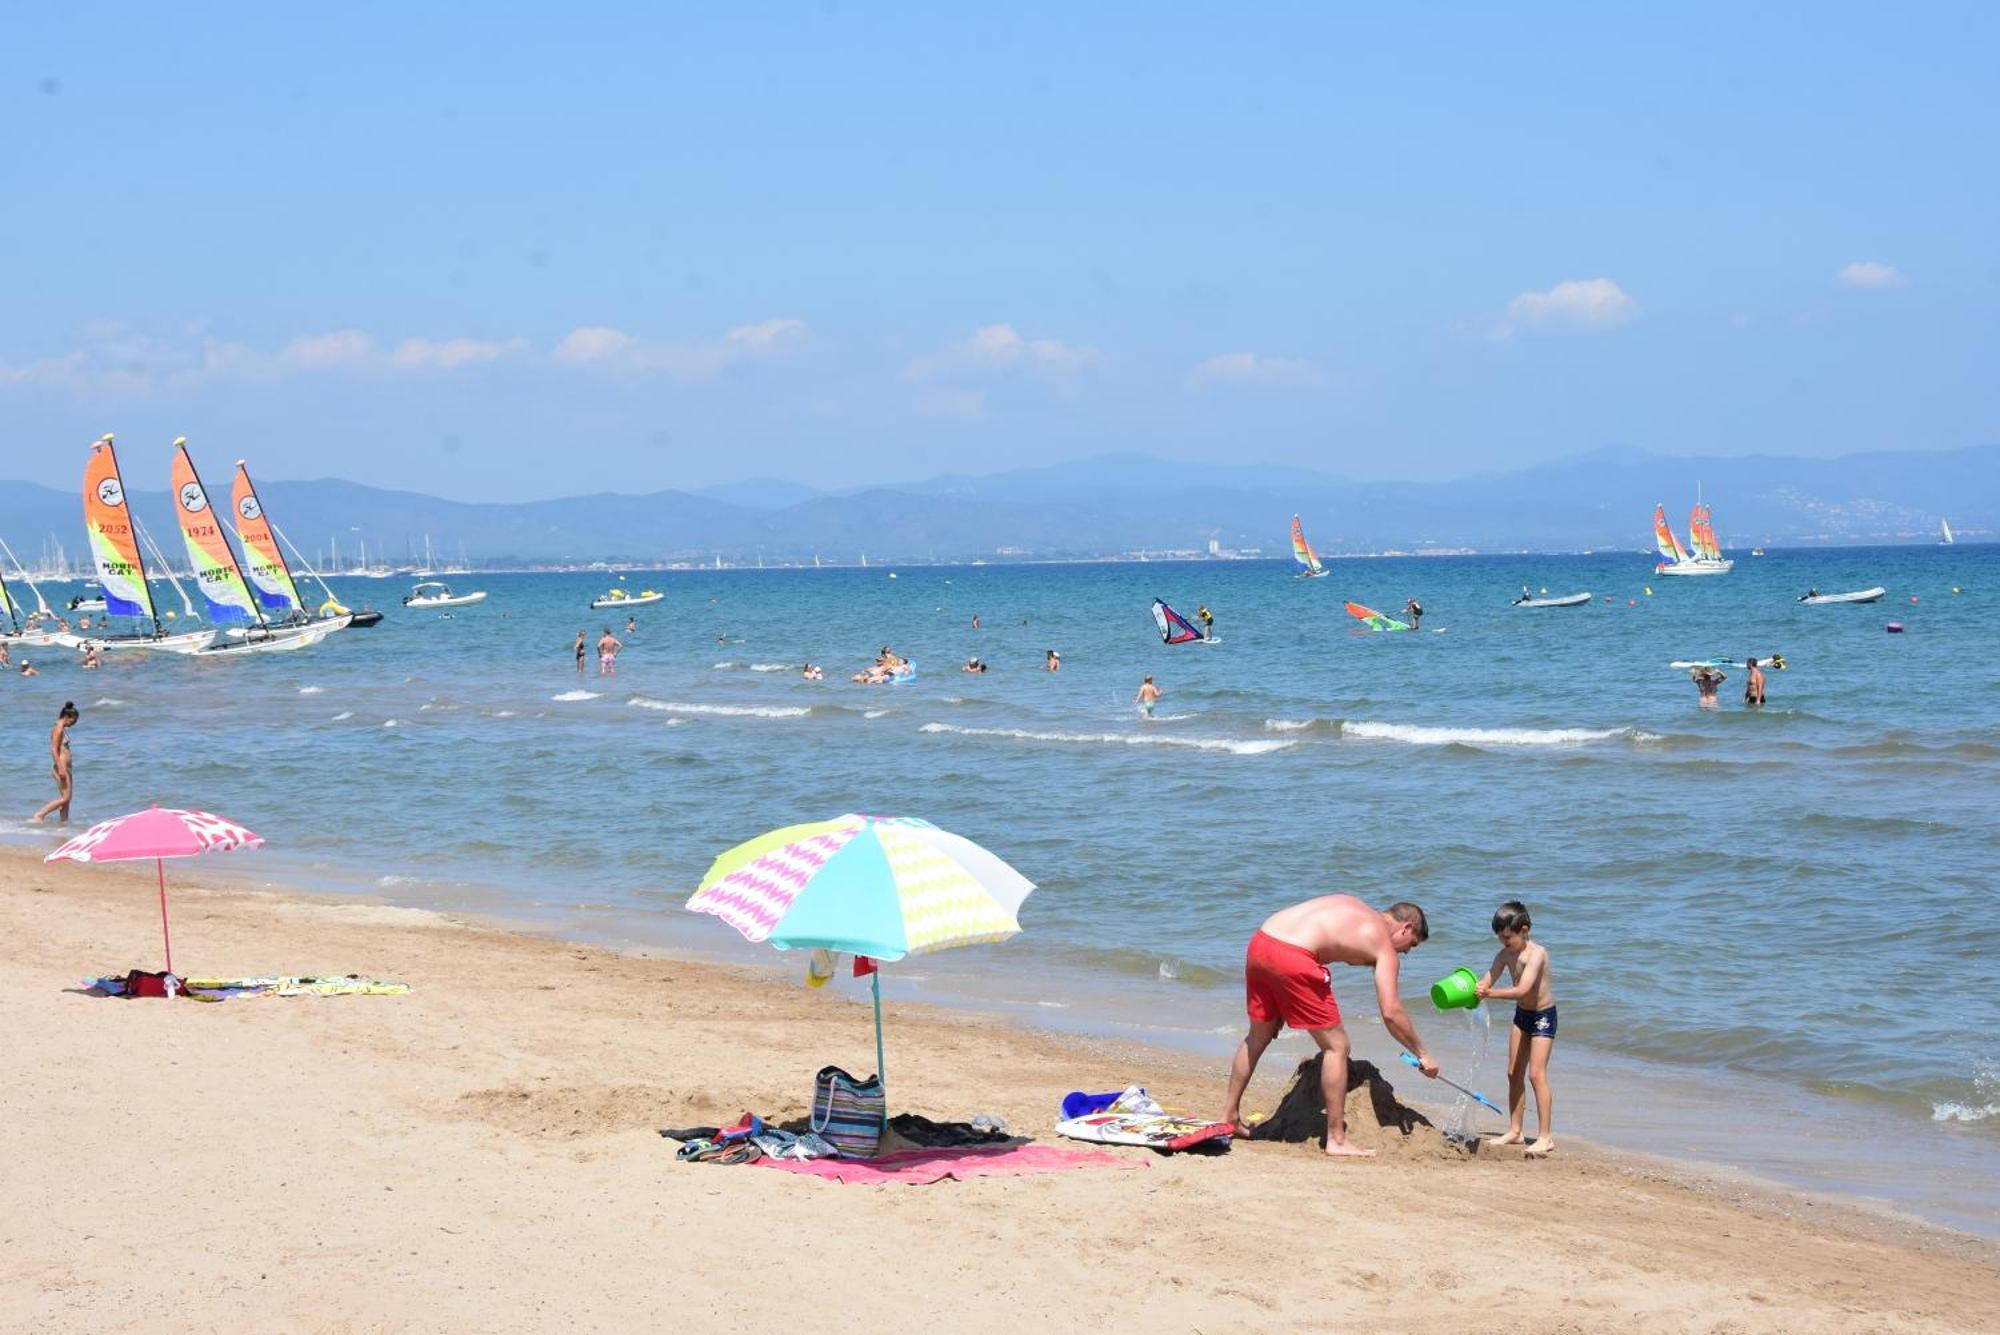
{"type": "Point", "coordinates": [1797, 902]}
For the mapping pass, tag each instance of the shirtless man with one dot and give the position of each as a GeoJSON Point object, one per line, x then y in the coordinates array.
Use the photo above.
{"type": "Point", "coordinates": [1286, 983]}
{"type": "Point", "coordinates": [608, 646]}
{"type": "Point", "coordinates": [1753, 687]}
{"type": "Point", "coordinates": [1149, 695]}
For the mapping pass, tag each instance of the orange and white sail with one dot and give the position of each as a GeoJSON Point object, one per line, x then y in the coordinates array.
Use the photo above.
{"type": "Point", "coordinates": [1669, 546]}
{"type": "Point", "coordinates": [1302, 551]}
{"type": "Point", "coordinates": [114, 539]}
{"type": "Point", "coordinates": [263, 560]}
{"type": "Point", "coordinates": [208, 549]}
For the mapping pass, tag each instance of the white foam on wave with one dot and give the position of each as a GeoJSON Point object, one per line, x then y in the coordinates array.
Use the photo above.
{"type": "Point", "coordinates": [567, 696]}
{"type": "Point", "coordinates": [388, 723]}
{"type": "Point", "coordinates": [1421, 736]}
{"type": "Point", "coordinates": [311, 690]}
{"type": "Point", "coordinates": [1234, 747]}
{"type": "Point", "coordinates": [722, 711]}
{"type": "Point", "coordinates": [873, 713]}
{"type": "Point", "coordinates": [343, 716]}
{"type": "Point", "coordinates": [1963, 1112]}
{"type": "Point", "coordinates": [503, 713]}
{"type": "Point", "coordinates": [1287, 724]}
{"type": "Point", "coordinates": [770, 667]}
{"type": "Point", "coordinates": [106, 702]}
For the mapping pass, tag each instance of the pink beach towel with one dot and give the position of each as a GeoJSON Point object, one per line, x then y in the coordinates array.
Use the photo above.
{"type": "Point", "coordinates": [919, 1167]}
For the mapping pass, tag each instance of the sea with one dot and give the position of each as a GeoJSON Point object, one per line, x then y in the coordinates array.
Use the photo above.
{"type": "Point", "coordinates": [1773, 932]}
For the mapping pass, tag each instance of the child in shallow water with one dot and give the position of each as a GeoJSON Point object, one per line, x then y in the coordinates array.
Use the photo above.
{"type": "Point", "coordinates": [1532, 1037]}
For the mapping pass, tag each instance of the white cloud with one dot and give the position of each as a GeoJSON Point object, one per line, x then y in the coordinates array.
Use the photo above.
{"type": "Point", "coordinates": [1871, 273]}
{"type": "Point", "coordinates": [1000, 347]}
{"type": "Point", "coordinates": [1579, 304]}
{"type": "Point", "coordinates": [452, 353]}
{"type": "Point", "coordinates": [683, 359]}
{"type": "Point", "coordinates": [1246, 368]}
{"type": "Point", "coordinates": [343, 347]}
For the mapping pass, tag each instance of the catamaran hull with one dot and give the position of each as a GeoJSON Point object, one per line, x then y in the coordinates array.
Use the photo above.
{"type": "Point", "coordinates": [275, 639]}
{"type": "Point", "coordinates": [1695, 568]}
{"type": "Point", "coordinates": [1572, 600]}
{"type": "Point", "coordinates": [1312, 574]}
{"type": "Point", "coordinates": [186, 642]}
{"type": "Point", "coordinates": [455, 600]}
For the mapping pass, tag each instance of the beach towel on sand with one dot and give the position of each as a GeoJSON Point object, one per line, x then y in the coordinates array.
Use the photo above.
{"type": "Point", "coordinates": [221, 989]}
{"type": "Point", "coordinates": [921, 1167]}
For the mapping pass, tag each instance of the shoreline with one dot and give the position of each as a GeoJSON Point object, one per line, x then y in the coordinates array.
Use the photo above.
{"type": "Point", "coordinates": [494, 1131]}
{"type": "Point", "coordinates": [1772, 1136]}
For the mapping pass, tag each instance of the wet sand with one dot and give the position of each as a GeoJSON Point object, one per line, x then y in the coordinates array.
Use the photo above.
{"type": "Point", "coordinates": [482, 1154]}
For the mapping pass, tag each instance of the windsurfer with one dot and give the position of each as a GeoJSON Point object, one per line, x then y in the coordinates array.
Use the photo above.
{"type": "Point", "coordinates": [1287, 982]}
{"type": "Point", "coordinates": [1414, 610]}
{"type": "Point", "coordinates": [1207, 620]}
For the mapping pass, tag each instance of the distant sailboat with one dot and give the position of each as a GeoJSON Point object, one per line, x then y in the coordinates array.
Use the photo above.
{"type": "Point", "coordinates": [121, 569]}
{"type": "Point", "coordinates": [1302, 552]}
{"type": "Point", "coordinates": [1944, 534]}
{"type": "Point", "coordinates": [1705, 559]}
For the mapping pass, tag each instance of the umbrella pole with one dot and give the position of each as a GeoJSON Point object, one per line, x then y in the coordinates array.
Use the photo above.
{"type": "Point", "coordinates": [165, 939]}
{"type": "Point", "coordinates": [881, 1069]}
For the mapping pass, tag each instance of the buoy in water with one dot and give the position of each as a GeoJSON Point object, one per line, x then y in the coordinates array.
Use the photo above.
{"type": "Point", "coordinates": [1631, 602]}
{"type": "Point", "coordinates": [1895, 628]}
{"type": "Point", "coordinates": [1649, 590]}
{"type": "Point", "coordinates": [1913, 597]}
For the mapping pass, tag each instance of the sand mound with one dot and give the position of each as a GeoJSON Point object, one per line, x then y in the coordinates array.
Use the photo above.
{"type": "Point", "coordinates": [561, 1112]}
{"type": "Point", "coordinates": [1375, 1119]}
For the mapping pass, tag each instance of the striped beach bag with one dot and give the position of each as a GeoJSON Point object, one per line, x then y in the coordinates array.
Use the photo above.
{"type": "Point", "coordinates": [849, 1112]}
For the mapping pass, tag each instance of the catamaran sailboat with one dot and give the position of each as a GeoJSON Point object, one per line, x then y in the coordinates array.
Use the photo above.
{"type": "Point", "coordinates": [121, 569]}
{"type": "Point", "coordinates": [20, 630]}
{"type": "Point", "coordinates": [219, 576]}
{"type": "Point", "coordinates": [1302, 552]}
{"type": "Point", "coordinates": [270, 574]}
{"type": "Point", "coordinates": [1944, 534]}
{"type": "Point", "coordinates": [1705, 559]}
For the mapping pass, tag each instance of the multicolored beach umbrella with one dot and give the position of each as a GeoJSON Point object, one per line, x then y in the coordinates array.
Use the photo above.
{"type": "Point", "coordinates": [156, 833]}
{"type": "Point", "coordinates": [877, 886]}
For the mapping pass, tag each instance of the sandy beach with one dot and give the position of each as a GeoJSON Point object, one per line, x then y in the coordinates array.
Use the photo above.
{"type": "Point", "coordinates": [483, 1154]}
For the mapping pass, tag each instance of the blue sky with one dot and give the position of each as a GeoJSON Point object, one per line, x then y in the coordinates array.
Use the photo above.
{"type": "Point", "coordinates": [538, 250]}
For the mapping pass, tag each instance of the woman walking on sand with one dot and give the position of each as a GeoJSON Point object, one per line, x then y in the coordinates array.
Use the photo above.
{"type": "Point", "coordinates": [59, 762]}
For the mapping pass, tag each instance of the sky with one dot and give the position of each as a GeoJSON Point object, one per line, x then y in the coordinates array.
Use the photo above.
{"type": "Point", "coordinates": [517, 251]}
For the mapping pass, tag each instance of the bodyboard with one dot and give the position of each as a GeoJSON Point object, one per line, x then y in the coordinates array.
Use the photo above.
{"type": "Point", "coordinates": [1157, 1131]}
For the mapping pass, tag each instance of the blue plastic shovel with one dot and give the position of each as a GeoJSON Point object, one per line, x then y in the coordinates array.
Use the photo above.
{"type": "Point", "coordinates": [1481, 1099]}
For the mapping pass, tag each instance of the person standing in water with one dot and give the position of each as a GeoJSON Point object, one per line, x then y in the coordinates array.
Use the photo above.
{"type": "Point", "coordinates": [1053, 662]}
{"type": "Point", "coordinates": [579, 653]}
{"type": "Point", "coordinates": [631, 625]}
{"type": "Point", "coordinates": [1207, 620]}
{"type": "Point", "coordinates": [1286, 982]}
{"type": "Point", "coordinates": [608, 646]}
{"type": "Point", "coordinates": [1149, 695]}
{"type": "Point", "coordinates": [59, 763]}
{"type": "Point", "coordinates": [1753, 687]}
{"type": "Point", "coordinates": [1414, 610]}
{"type": "Point", "coordinates": [1706, 682]}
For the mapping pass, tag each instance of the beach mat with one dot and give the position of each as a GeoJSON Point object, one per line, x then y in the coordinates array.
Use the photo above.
{"type": "Point", "coordinates": [922, 1167]}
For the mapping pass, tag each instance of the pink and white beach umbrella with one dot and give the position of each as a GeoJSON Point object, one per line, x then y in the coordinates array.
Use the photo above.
{"type": "Point", "coordinates": [157, 833]}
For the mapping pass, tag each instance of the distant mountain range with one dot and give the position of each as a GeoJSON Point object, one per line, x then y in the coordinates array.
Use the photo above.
{"type": "Point", "coordinates": [1116, 504]}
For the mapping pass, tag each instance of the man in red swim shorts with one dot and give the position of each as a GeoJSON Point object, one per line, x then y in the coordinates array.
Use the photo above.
{"type": "Point", "coordinates": [1285, 982]}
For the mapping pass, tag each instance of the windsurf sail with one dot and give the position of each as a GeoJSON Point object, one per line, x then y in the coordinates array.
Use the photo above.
{"type": "Point", "coordinates": [114, 542]}
{"type": "Point", "coordinates": [1375, 620]}
{"type": "Point", "coordinates": [1944, 533]}
{"type": "Point", "coordinates": [277, 591]}
{"type": "Point", "coordinates": [1302, 551]}
{"type": "Point", "coordinates": [1669, 546]}
{"type": "Point", "coordinates": [7, 604]}
{"type": "Point", "coordinates": [1174, 628]}
{"type": "Point", "coordinates": [216, 572]}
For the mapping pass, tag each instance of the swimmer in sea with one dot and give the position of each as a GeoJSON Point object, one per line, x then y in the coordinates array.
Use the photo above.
{"type": "Point", "coordinates": [1706, 680]}
{"type": "Point", "coordinates": [1149, 695]}
{"type": "Point", "coordinates": [973, 665]}
{"type": "Point", "coordinates": [1053, 662]}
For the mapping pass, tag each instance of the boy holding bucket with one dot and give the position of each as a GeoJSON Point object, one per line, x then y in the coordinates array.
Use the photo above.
{"type": "Point", "coordinates": [1533, 1035]}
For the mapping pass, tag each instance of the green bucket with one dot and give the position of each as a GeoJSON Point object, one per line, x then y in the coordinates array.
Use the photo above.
{"type": "Point", "coordinates": [1457, 990]}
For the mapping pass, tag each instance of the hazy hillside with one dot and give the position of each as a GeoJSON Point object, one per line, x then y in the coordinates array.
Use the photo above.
{"type": "Point", "coordinates": [1120, 503]}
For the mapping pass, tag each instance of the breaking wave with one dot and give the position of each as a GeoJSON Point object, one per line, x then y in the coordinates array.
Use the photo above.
{"type": "Point", "coordinates": [722, 711]}
{"type": "Point", "coordinates": [1233, 747]}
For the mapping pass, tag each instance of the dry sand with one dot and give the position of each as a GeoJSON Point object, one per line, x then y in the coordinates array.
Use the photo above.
{"type": "Point", "coordinates": [482, 1155]}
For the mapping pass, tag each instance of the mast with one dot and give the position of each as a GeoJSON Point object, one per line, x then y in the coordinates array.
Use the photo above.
{"type": "Point", "coordinates": [187, 605]}
{"type": "Point", "coordinates": [41, 603]}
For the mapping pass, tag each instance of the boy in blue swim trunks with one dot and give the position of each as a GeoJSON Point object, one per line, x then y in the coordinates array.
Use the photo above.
{"type": "Point", "coordinates": [1533, 1035]}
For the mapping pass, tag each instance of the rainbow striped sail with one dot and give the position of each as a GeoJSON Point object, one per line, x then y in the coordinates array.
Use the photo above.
{"type": "Point", "coordinates": [265, 563]}
{"type": "Point", "coordinates": [1669, 546]}
{"type": "Point", "coordinates": [114, 543]}
{"type": "Point", "coordinates": [1303, 553]}
{"type": "Point", "coordinates": [1701, 529]}
{"type": "Point", "coordinates": [214, 562]}
{"type": "Point", "coordinates": [7, 605]}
